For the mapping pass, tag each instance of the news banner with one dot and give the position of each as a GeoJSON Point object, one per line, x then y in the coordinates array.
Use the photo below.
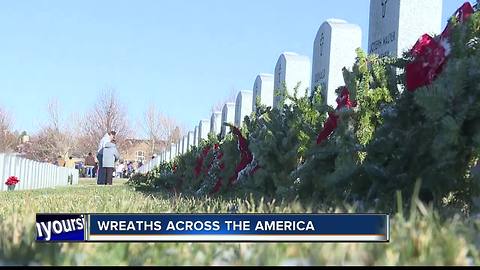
{"type": "Point", "coordinates": [212, 227]}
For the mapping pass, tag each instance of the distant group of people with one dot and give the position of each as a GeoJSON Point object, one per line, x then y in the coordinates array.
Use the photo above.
{"type": "Point", "coordinates": [125, 169]}
{"type": "Point", "coordinates": [69, 163]}
{"type": "Point", "coordinates": [102, 166]}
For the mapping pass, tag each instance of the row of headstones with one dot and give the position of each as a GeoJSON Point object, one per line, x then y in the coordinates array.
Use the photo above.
{"type": "Point", "coordinates": [33, 174]}
{"type": "Point", "coordinates": [395, 25]}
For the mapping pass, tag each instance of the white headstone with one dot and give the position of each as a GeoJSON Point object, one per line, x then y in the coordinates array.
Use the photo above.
{"type": "Point", "coordinates": [228, 116]}
{"type": "Point", "coordinates": [203, 129]}
{"type": "Point", "coordinates": [167, 156]}
{"type": "Point", "coordinates": [290, 70]}
{"type": "Point", "coordinates": [243, 106]}
{"type": "Point", "coordinates": [263, 90]}
{"type": "Point", "coordinates": [190, 140]}
{"type": "Point", "coordinates": [396, 25]}
{"type": "Point", "coordinates": [195, 136]}
{"type": "Point", "coordinates": [216, 123]}
{"type": "Point", "coordinates": [173, 151]}
{"type": "Point", "coordinates": [333, 49]}
{"type": "Point", "coordinates": [179, 147]}
{"type": "Point", "coordinates": [184, 144]}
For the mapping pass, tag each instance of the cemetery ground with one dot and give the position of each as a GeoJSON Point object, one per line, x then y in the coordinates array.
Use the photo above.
{"type": "Point", "coordinates": [418, 235]}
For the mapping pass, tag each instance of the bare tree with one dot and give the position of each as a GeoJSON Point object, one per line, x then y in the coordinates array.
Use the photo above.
{"type": "Point", "coordinates": [175, 135]}
{"type": "Point", "coordinates": [159, 127]}
{"type": "Point", "coordinates": [53, 109]}
{"type": "Point", "coordinates": [7, 138]}
{"type": "Point", "coordinates": [55, 137]}
{"type": "Point", "coordinates": [152, 126]}
{"type": "Point", "coordinates": [108, 114]}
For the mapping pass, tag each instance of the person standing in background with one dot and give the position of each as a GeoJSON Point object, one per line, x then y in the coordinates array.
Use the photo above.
{"type": "Point", "coordinates": [101, 173]}
{"type": "Point", "coordinates": [120, 170]}
{"type": "Point", "coordinates": [70, 163]}
{"type": "Point", "coordinates": [60, 161]}
{"type": "Point", "coordinates": [110, 155]}
{"type": "Point", "coordinates": [106, 138]}
{"type": "Point", "coordinates": [130, 169]}
{"type": "Point", "coordinates": [90, 164]}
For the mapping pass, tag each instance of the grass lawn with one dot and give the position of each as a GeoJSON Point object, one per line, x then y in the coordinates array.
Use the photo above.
{"type": "Point", "coordinates": [418, 241]}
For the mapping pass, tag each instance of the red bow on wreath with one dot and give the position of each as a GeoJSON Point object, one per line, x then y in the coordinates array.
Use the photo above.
{"type": "Point", "coordinates": [343, 101]}
{"type": "Point", "coordinates": [462, 14]}
{"type": "Point", "coordinates": [246, 156]}
{"type": "Point", "coordinates": [430, 54]}
{"type": "Point", "coordinates": [198, 167]}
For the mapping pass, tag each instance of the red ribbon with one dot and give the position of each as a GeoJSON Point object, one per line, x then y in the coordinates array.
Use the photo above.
{"type": "Point", "coordinates": [343, 101]}
{"type": "Point", "coordinates": [246, 156]}
{"type": "Point", "coordinates": [430, 55]}
{"type": "Point", "coordinates": [199, 163]}
{"type": "Point", "coordinates": [462, 14]}
{"type": "Point", "coordinates": [429, 58]}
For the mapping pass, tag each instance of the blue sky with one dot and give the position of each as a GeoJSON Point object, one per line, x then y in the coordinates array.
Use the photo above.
{"type": "Point", "coordinates": [184, 55]}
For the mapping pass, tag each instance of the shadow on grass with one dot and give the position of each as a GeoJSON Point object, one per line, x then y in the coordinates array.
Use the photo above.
{"type": "Point", "coordinates": [237, 196]}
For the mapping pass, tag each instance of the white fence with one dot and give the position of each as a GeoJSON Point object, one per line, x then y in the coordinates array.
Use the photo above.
{"type": "Point", "coordinates": [33, 174]}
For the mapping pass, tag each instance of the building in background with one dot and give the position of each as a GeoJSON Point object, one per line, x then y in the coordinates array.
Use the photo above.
{"type": "Point", "coordinates": [140, 150]}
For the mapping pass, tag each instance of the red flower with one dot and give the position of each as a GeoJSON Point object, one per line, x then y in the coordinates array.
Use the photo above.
{"type": "Point", "coordinates": [11, 181]}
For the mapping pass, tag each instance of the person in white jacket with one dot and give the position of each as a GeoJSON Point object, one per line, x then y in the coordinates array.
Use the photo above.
{"type": "Point", "coordinates": [110, 136]}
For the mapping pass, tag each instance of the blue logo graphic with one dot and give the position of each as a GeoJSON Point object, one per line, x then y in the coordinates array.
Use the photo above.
{"type": "Point", "coordinates": [60, 227]}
